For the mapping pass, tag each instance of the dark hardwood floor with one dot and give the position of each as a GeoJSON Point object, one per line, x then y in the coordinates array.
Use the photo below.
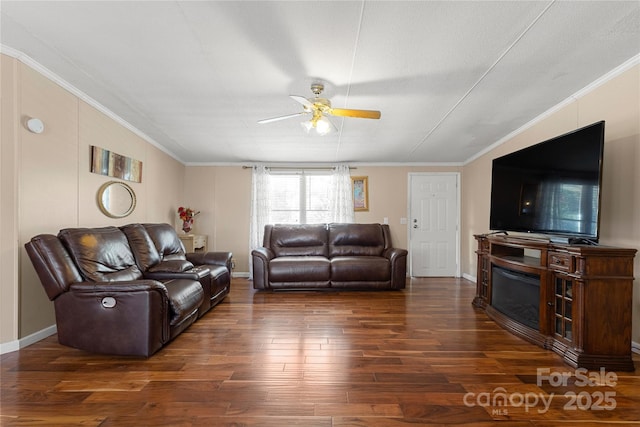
{"type": "Point", "coordinates": [423, 356]}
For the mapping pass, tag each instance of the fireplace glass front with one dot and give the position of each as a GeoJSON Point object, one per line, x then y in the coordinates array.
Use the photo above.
{"type": "Point", "coordinates": [517, 295]}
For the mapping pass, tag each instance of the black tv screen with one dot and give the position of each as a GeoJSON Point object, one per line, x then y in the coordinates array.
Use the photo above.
{"type": "Point", "coordinates": [552, 187]}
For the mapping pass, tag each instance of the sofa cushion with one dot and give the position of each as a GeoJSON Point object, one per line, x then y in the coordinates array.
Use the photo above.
{"type": "Point", "coordinates": [298, 240]}
{"type": "Point", "coordinates": [299, 269]}
{"type": "Point", "coordinates": [101, 254]}
{"type": "Point", "coordinates": [360, 268]}
{"type": "Point", "coordinates": [144, 250]}
{"type": "Point", "coordinates": [172, 266]}
{"type": "Point", "coordinates": [356, 240]}
{"type": "Point", "coordinates": [53, 264]}
{"type": "Point", "coordinates": [166, 241]}
{"type": "Point", "coordinates": [147, 255]}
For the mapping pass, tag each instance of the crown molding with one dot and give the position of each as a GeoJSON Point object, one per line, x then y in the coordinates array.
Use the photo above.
{"type": "Point", "coordinates": [329, 164]}
{"type": "Point", "coordinates": [625, 66]}
{"type": "Point", "coordinates": [35, 65]}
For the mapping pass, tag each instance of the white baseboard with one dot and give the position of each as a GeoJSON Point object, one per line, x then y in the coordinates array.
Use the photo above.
{"type": "Point", "coordinates": [28, 340]}
{"type": "Point", "coordinates": [242, 274]}
{"type": "Point", "coordinates": [469, 277]}
{"type": "Point", "coordinates": [10, 346]}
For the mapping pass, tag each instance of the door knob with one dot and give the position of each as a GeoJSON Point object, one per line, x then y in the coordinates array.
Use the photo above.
{"type": "Point", "coordinates": [415, 225]}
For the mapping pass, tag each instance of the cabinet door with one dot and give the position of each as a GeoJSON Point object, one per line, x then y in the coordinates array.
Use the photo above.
{"type": "Point", "coordinates": [484, 279]}
{"type": "Point", "coordinates": [563, 307]}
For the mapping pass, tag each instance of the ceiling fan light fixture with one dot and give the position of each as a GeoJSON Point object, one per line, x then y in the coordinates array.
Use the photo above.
{"type": "Point", "coordinates": [307, 125]}
{"type": "Point", "coordinates": [323, 126]}
{"type": "Point", "coordinates": [319, 123]}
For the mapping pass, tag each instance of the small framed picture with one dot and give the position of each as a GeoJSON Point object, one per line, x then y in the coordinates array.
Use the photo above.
{"type": "Point", "coordinates": [360, 186]}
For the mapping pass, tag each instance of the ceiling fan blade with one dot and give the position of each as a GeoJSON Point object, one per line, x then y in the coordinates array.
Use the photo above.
{"type": "Point", "coordinates": [363, 114]}
{"type": "Point", "coordinates": [302, 100]}
{"type": "Point", "coordinates": [275, 119]}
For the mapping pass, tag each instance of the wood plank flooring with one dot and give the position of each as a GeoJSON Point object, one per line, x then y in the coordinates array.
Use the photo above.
{"type": "Point", "coordinates": [422, 356]}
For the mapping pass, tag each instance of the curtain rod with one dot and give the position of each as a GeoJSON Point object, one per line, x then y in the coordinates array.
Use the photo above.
{"type": "Point", "coordinates": [298, 167]}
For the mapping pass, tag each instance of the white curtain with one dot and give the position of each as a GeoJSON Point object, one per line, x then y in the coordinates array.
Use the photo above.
{"type": "Point", "coordinates": [259, 210]}
{"type": "Point", "coordinates": [341, 195]}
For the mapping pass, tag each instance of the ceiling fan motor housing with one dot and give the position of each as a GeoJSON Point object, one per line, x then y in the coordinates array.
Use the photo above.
{"type": "Point", "coordinates": [317, 88]}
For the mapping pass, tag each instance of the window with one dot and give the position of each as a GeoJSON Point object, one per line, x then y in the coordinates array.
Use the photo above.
{"type": "Point", "coordinates": [300, 197]}
{"type": "Point", "coordinates": [569, 206]}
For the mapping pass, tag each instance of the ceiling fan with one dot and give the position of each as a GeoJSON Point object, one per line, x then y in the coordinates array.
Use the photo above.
{"type": "Point", "coordinates": [319, 108]}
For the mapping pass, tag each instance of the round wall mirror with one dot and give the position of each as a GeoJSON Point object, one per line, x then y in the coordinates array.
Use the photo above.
{"type": "Point", "coordinates": [116, 199]}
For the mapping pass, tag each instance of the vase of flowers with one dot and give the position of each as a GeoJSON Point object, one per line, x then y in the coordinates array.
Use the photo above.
{"type": "Point", "coordinates": [187, 215]}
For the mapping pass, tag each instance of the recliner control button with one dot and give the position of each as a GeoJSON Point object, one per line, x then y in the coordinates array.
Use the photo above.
{"type": "Point", "coordinates": [108, 302]}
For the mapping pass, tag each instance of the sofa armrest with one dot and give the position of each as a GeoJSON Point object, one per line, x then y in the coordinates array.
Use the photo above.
{"type": "Point", "coordinates": [196, 273]}
{"type": "Point", "coordinates": [114, 290]}
{"type": "Point", "coordinates": [124, 318]}
{"type": "Point", "coordinates": [211, 258]}
{"type": "Point", "coordinates": [264, 253]}
{"type": "Point", "coordinates": [398, 259]}
{"type": "Point", "coordinates": [260, 258]}
{"type": "Point", "coordinates": [176, 302]}
{"type": "Point", "coordinates": [393, 253]}
{"type": "Point", "coordinates": [119, 287]}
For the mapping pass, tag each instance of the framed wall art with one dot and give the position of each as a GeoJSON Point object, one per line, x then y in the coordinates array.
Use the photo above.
{"type": "Point", "coordinates": [360, 185]}
{"type": "Point", "coordinates": [105, 162]}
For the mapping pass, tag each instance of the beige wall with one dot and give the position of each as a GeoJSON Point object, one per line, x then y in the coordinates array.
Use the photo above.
{"type": "Point", "coordinates": [9, 289]}
{"type": "Point", "coordinates": [46, 183]}
{"type": "Point", "coordinates": [222, 194]}
{"type": "Point", "coordinates": [618, 103]}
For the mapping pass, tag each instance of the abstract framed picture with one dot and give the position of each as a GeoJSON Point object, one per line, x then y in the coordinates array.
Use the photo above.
{"type": "Point", "coordinates": [105, 162]}
{"type": "Point", "coordinates": [360, 185]}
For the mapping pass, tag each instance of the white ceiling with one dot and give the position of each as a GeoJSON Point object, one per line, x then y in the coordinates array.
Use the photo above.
{"type": "Point", "coordinates": [450, 78]}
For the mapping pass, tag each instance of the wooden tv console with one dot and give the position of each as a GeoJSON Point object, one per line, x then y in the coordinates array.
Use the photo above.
{"type": "Point", "coordinates": [586, 295]}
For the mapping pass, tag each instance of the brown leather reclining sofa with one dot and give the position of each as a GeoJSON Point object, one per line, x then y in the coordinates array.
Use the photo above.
{"type": "Point", "coordinates": [127, 290]}
{"type": "Point", "coordinates": [338, 256]}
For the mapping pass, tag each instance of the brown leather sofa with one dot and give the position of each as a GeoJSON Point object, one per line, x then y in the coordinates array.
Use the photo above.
{"type": "Point", "coordinates": [128, 290]}
{"type": "Point", "coordinates": [337, 256]}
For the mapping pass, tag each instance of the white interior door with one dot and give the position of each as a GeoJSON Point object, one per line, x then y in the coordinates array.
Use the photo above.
{"type": "Point", "coordinates": [433, 225]}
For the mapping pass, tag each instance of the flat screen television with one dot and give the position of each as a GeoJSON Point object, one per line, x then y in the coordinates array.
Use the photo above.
{"type": "Point", "coordinates": [551, 188]}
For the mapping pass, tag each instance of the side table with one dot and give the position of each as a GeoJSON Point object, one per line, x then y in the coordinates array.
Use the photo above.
{"type": "Point", "coordinates": [194, 242]}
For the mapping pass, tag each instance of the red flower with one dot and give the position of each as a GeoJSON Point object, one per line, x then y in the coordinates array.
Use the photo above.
{"type": "Point", "coordinates": [187, 214]}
